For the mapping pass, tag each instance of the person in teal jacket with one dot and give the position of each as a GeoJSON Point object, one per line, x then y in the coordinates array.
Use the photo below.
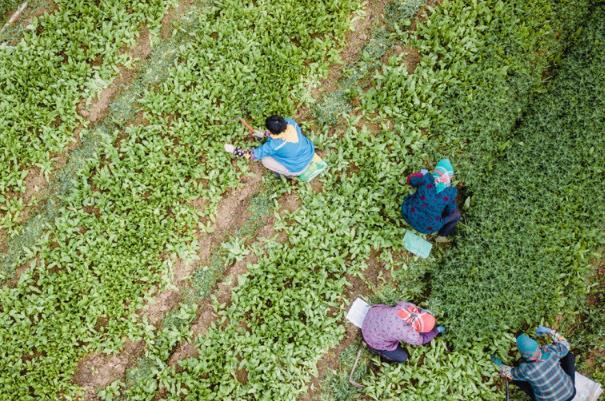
{"type": "Point", "coordinates": [287, 151]}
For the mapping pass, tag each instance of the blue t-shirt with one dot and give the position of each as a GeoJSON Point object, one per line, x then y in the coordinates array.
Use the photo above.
{"type": "Point", "coordinates": [293, 155]}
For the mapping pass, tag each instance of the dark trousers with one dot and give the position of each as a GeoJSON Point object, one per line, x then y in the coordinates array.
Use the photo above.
{"type": "Point", "coordinates": [398, 355]}
{"type": "Point", "coordinates": [568, 364]}
{"type": "Point", "coordinates": [450, 227]}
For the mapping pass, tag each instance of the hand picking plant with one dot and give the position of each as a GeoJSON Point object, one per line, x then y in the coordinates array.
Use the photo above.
{"type": "Point", "coordinates": [287, 297]}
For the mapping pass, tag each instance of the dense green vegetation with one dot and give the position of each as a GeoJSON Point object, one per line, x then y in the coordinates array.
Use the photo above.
{"type": "Point", "coordinates": [64, 56]}
{"type": "Point", "coordinates": [286, 298]}
{"type": "Point", "coordinates": [528, 150]}
{"type": "Point", "coordinates": [130, 211]}
{"type": "Point", "coordinates": [523, 256]}
{"type": "Point", "coordinates": [537, 216]}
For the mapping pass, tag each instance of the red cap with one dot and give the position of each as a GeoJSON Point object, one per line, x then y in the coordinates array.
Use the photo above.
{"type": "Point", "coordinates": [420, 320]}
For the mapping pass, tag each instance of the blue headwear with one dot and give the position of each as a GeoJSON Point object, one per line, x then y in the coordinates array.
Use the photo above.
{"type": "Point", "coordinates": [444, 171]}
{"type": "Point", "coordinates": [528, 347]}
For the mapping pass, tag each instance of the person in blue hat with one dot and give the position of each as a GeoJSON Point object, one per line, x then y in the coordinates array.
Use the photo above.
{"type": "Point", "coordinates": [432, 208]}
{"type": "Point", "coordinates": [546, 373]}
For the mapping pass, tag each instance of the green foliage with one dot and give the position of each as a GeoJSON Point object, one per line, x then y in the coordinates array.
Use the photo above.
{"type": "Point", "coordinates": [64, 56]}
{"type": "Point", "coordinates": [130, 210]}
{"type": "Point", "coordinates": [537, 215]}
{"type": "Point", "coordinates": [286, 299]}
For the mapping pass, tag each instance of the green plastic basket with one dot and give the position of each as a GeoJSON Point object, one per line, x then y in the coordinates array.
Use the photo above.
{"type": "Point", "coordinates": [317, 166]}
{"type": "Point", "coordinates": [417, 245]}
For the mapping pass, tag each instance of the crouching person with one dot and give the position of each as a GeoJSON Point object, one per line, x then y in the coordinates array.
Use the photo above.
{"type": "Point", "coordinates": [286, 151]}
{"type": "Point", "coordinates": [385, 327]}
{"type": "Point", "coordinates": [432, 208]}
{"type": "Point", "coordinates": [546, 373]}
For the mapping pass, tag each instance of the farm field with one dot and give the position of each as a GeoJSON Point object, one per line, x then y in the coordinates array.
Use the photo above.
{"type": "Point", "coordinates": [142, 262]}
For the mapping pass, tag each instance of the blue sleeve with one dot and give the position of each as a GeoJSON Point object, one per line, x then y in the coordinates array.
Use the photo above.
{"type": "Point", "coordinates": [267, 149]}
{"type": "Point", "coordinates": [512, 373]}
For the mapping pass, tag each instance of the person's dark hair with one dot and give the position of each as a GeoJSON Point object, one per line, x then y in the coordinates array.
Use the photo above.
{"type": "Point", "coordinates": [276, 124]}
{"type": "Point", "coordinates": [518, 333]}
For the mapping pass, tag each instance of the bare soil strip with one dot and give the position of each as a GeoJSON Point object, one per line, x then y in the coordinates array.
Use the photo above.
{"type": "Point", "coordinates": [224, 289]}
{"type": "Point", "coordinates": [331, 360]}
{"type": "Point", "coordinates": [36, 185]}
{"type": "Point", "coordinates": [354, 43]}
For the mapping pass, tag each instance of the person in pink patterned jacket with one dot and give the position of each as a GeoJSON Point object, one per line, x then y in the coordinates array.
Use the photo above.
{"type": "Point", "coordinates": [385, 327]}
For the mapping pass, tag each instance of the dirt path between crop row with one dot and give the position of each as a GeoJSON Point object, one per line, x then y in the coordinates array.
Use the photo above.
{"type": "Point", "coordinates": [360, 34]}
{"type": "Point", "coordinates": [355, 39]}
{"type": "Point", "coordinates": [358, 288]}
{"type": "Point", "coordinates": [37, 188]}
{"type": "Point", "coordinates": [224, 289]}
{"type": "Point", "coordinates": [97, 371]}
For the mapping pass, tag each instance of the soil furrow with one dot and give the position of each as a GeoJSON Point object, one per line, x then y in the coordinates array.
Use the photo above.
{"type": "Point", "coordinates": [331, 360]}
{"type": "Point", "coordinates": [41, 190]}
{"type": "Point", "coordinates": [360, 33]}
{"type": "Point", "coordinates": [38, 188]}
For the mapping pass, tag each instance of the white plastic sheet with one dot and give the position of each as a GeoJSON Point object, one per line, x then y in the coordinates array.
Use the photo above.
{"type": "Point", "coordinates": [357, 312]}
{"type": "Point", "coordinates": [586, 389]}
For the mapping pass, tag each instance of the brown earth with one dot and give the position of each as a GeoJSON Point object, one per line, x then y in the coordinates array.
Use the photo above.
{"type": "Point", "coordinates": [37, 188]}
{"type": "Point", "coordinates": [359, 34]}
{"type": "Point", "coordinates": [97, 109]}
{"type": "Point", "coordinates": [174, 14]}
{"type": "Point", "coordinates": [223, 292]}
{"type": "Point", "coordinates": [331, 360]}
{"type": "Point", "coordinates": [99, 370]}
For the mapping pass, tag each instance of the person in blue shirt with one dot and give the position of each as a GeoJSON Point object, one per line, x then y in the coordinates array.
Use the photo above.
{"type": "Point", "coordinates": [432, 208]}
{"type": "Point", "coordinates": [547, 373]}
{"type": "Point", "coordinates": [287, 151]}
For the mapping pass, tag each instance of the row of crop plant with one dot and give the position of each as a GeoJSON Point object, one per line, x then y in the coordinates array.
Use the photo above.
{"type": "Point", "coordinates": [130, 213]}
{"type": "Point", "coordinates": [525, 254]}
{"type": "Point", "coordinates": [64, 56]}
{"type": "Point", "coordinates": [267, 340]}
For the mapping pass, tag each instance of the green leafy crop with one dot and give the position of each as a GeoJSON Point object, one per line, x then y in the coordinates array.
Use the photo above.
{"type": "Point", "coordinates": [61, 59]}
{"type": "Point", "coordinates": [130, 212]}
{"type": "Point", "coordinates": [537, 215]}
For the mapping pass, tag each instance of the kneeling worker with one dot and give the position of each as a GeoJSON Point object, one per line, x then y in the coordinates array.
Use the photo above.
{"type": "Point", "coordinates": [286, 152]}
{"type": "Point", "coordinates": [433, 206]}
{"type": "Point", "coordinates": [384, 327]}
{"type": "Point", "coordinates": [547, 373]}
